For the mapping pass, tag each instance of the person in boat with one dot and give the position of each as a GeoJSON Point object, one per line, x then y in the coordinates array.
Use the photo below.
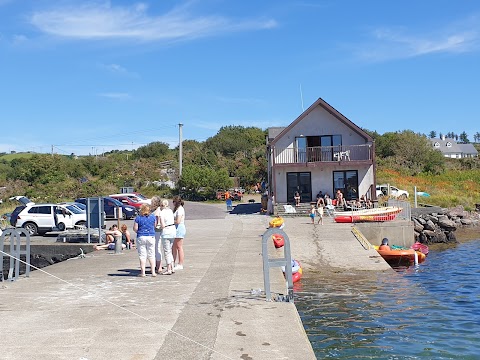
{"type": "Point", "coordinates": [384, 245]}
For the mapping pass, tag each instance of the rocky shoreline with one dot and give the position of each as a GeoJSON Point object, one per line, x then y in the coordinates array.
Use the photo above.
{"type": "Point", "coordinates": [439, 225]}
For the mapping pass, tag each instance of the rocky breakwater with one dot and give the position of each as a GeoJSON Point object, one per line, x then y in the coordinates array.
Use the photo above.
{"type": "Point", "coordinates": [437, 225]}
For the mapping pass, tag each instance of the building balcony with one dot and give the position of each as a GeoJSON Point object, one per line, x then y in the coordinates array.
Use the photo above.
{"type": "Point", "coordinates": [323, 154]}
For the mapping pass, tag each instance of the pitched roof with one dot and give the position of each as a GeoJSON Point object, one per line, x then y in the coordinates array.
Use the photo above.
{"type": "Point", "coordinates": [273, 132]}
{"type": "Point", "coordinates": [332, 111]}
{"type": "Point", "coordinates": [454, 147]}
{"type": "Point", "coordinates": [444, 145]}
{"type": "Point", "coordinates": [468, 149]}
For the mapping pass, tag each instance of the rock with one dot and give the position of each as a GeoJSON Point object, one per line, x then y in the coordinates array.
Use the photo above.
{"type": "Point", "coordinates": [447, 225]}
{"type": "Point", "coordinates": [421, 221]}
{"type": "Point", "coordinates": [438, 237]}
{"type": "Point", "coordinates": [451, 237]}
{"type": "Point", "coordinates": [442, 217]}
{"type": "Point", "coordinates": [458, 211]}
{"type": "Point", "coordinates": [430, 233]}
{"type": "Point", "coordinates": [432, 218]}
{"type": "Point", "coordinates": [429, 225]}
{"type": "Point", "coordinates": [417, 226]}
{"type": "Point", "coordinates": [466, 222]}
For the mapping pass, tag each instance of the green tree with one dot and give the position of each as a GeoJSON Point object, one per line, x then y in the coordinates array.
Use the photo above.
{"type": "Point", "coordinates": [409, 152]}
{"type": "Point", "coordinates": [464, 138]}
{"type": "Point", "coordinates": [195, 177]}
{"type": "Point", "coordinates": [432, 134]}
{"type": "Point", "coordinates": [153, 150]}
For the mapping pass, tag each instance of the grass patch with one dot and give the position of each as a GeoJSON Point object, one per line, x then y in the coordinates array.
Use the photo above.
{"type": "Point", "coordinates": [452, 188]}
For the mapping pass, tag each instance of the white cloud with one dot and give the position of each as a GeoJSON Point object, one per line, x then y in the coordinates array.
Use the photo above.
{"type": "Point", "coordinates": [119, 70]}
{"type": "Point", "coordinates": [116, 96]}
{"type": "Point", "coordinates": [389, 44]}
{"type": "Point", "coordinates": [94, 21]}
{"type": "Point", "coordinates": [19, 39]}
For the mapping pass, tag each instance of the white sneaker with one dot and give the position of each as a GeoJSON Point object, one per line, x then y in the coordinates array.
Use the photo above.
{"type": "Point", "coordinates": [178, 267]}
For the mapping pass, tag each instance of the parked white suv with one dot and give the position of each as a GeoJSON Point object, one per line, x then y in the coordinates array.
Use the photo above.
{"type": "Point", "coordinates": [41, 218]}
{"type": "Point", "coordinates": [382, 190]}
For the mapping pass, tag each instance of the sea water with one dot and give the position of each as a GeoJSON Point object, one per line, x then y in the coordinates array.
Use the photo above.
{"type": "Point", "coordinates": [427, 312]}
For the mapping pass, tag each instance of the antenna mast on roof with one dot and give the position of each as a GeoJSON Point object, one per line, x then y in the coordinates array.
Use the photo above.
{"type": "Point", "coordinates": [301, 96]}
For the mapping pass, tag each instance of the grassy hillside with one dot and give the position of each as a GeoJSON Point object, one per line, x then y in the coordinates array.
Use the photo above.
{"type": "Point", "coordinates": [10, 157]}
{"type": "Point", "coordinates": [452, 188]}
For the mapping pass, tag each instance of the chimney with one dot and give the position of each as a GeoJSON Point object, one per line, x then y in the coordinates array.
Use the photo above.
{"type": "Point", "coordinates": [443, 137]}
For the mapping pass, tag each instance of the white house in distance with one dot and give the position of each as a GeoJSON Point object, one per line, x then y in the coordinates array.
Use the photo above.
{"type": "Point", "coordinates": [451, 149]}
{"type": "Point", "coordinates": [321, 150]}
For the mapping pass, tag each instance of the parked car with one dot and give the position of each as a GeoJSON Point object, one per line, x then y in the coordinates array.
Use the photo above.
{"type": "Point", "coordinates": [79, 206]}
{"type": "Point", "coordinates": [127, 200]}
{"type": "Point", "coordinates": [135, 196]}
{"type": "Point", "coordinates": [41, 218]}
{"type": "Point", "coordinates": [382, 190]}
{"type": "Point", "coordinates": [110, 205]}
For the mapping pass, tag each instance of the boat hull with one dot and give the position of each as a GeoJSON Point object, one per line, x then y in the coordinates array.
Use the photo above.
{"type": "Point", "coordinates": [370, 215]}
{"type": "Point", "coordinates": [401, 257]}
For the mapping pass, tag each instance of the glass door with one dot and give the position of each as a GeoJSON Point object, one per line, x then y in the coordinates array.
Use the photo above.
{"type": "Point", "coordinates": [347, 183]}
{"type": "Point", "coordinates": [301, 182]}
{"type": "Point", "coordinates": [301, 149]}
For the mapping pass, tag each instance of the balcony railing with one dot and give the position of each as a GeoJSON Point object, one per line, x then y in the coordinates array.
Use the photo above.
{"type": "Point", "coordinates": [323, 154]}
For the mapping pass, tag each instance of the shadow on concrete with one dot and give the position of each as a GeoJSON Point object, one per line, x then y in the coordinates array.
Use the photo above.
{"type": "Point", "coordinates": [245, 209]}
{"type": "Point", "coordinates": [129, 272]}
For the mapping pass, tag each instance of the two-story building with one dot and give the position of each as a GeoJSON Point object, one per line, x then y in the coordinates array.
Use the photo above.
{"type": "Point", "coordinates": [321, 150]}
{"type": "Point", "coordinates": [451, 149]}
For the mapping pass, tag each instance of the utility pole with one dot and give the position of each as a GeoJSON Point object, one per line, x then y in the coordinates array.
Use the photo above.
{"type": "Point", "coordinates": [180, 150]}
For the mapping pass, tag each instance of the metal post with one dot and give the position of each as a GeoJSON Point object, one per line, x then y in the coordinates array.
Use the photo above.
{"type": "Point", "coordinates": [180, 149]}
{"type": "Point", "coordinates": [118, 244]}
{"type": "Point", "coordinates": [415, 191]}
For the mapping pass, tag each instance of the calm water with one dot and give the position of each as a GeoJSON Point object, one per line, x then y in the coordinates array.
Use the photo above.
{"type": "Point", "coordinates": [432, 312]}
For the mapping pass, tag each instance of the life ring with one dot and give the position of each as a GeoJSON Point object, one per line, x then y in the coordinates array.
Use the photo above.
{"type": "Point", "coordinates": [297, 270]}
{"type": "Point", "coordinates": [278, 240]}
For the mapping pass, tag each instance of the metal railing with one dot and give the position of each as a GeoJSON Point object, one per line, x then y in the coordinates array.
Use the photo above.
{"type": "Point", "coordinates": [323, 154]}
{"type": "Point", "coordinates": [16, 250]}
{"type": "Point", "coordinates": [268, 263]}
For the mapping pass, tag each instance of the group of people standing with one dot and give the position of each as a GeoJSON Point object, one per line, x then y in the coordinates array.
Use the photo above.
{"type": "Point", "coordinates": [160, 233]}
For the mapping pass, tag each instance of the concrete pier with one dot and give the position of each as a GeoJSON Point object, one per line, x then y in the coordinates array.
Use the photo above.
{"type": "Point", "coordinates": [97, 308]}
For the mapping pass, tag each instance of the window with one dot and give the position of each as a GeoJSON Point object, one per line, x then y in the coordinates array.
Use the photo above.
{"type": "Point", "coordinates": [448, 144]}
{"type": "Point", "coordinates": [347, 183]}
{"type": "Point", "coordinates": [40, 210]}
{"type": "Point", "coordinates": [436, 145]}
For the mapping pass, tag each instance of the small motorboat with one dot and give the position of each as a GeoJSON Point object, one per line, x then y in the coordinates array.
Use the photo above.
{"type": "Point", "coordinates": [397, 257]}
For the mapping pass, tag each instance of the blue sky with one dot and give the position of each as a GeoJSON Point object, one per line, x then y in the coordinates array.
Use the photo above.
{"type": "Point", "coordinates": [92, 76]}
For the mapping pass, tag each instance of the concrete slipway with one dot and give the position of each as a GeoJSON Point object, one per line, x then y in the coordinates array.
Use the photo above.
{"type": "Point", "coordinates": [97, 308]}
